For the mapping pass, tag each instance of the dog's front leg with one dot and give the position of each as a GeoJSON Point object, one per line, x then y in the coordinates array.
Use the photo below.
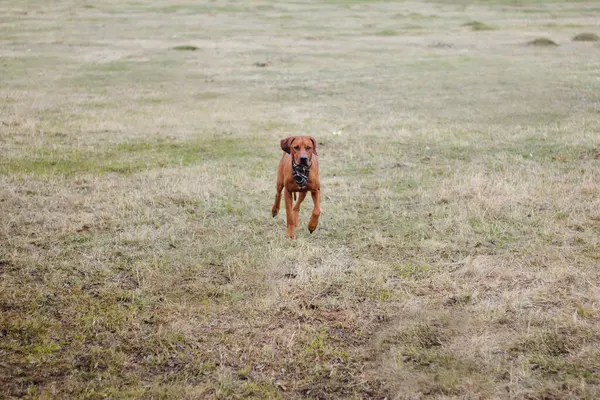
{"type": "Point", "coordinates": [314, 218]}
{"type": "Point", "coordinates": [296, 208]}
{"type": "Point", "coordinates": [289, 214]}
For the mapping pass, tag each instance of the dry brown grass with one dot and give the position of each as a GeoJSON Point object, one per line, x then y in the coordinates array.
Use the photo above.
{"type": "Point", "coordinates": [457, 253]}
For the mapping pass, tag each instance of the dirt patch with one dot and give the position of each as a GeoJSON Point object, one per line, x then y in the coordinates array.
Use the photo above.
{"type": "Point", "coordinates": [186, 47]}
{"type": "Point", "coordinates": [586, 37]}
{"type": "Point", "coordinates": [478, 26]}
{"type": "Point", "coordinates": [542, 42]}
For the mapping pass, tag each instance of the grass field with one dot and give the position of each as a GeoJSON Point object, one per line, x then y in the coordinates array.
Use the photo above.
{"type": "Point", "coordinates": [458, 251]}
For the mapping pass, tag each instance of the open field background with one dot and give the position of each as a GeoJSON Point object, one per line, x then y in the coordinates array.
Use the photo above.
{"type": "Point", "coordinates": [458, 249]}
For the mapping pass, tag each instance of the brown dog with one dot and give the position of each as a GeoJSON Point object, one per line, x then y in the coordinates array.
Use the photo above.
{"type": "Point", "coordinates": [298, 172]}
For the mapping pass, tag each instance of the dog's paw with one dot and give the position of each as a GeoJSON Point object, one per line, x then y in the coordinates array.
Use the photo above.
{"type": "Point", "coordinates": [274, 212]}
{"type": "Point", "coordinates": [312, 224]}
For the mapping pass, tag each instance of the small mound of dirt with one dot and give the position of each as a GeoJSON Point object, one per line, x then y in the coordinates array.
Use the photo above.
{"type": "Point", "coordinates": [186, 47]}
{"type": "Point", "coordinates": [543, 42]}
{"type": "Point", "coordinates": [478, 26]}
{"type": "Point", "coordinates": [263, 64]}
{"type": "Point", "coordinates": [441, 45]}
{"type": "Point", "coordinates": [586, 37]}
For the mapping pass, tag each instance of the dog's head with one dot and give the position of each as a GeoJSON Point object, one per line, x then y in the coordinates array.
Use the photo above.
{"type": "Point", "coordinates": [301, 148]}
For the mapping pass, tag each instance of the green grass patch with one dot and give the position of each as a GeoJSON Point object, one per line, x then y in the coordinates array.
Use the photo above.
{"type": "Point", "coordinates": [547, 343]}
{"type": "Point", "coordinates": [123, 158]}
{"type": "Point", "coordinates": [99, 76]}
{"type": "Point", "coordinates": [423, 336]}
{"type": "Point", "coordinates": [563, 369]}
{"type": "Point", "coordinates": [447, 372]}
{"type": "Point", "coordinates": [387, 32]}
{"type": "Point", "coordinates": [413, 271]}
{"type": "Point", "coordinates": [584, 312]}
{"type": "Point", "coordinates": [257, 390]}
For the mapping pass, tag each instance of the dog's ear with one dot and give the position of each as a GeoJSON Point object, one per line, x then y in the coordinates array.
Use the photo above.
{"type": "Point", "coordinates": [286, 143]}
{"type": "Point", "coordinates": [312, 139]}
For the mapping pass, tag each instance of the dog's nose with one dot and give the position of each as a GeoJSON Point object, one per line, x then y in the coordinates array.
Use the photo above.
{"type": "Point", "coordinates": [303, 160]}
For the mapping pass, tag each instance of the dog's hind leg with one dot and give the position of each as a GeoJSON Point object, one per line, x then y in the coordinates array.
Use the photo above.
{"type": "Point", "coordinates": [275, 209]}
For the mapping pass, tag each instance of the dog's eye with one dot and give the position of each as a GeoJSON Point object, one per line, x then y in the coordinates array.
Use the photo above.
{"type": "Point", "coordinates": [296, 147]}
{"type": "Point", "coordinates": [308, 148]}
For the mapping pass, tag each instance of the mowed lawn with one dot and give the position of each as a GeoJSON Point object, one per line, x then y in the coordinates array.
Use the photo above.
{"type": "Point", "coordinates": [457, 255]}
